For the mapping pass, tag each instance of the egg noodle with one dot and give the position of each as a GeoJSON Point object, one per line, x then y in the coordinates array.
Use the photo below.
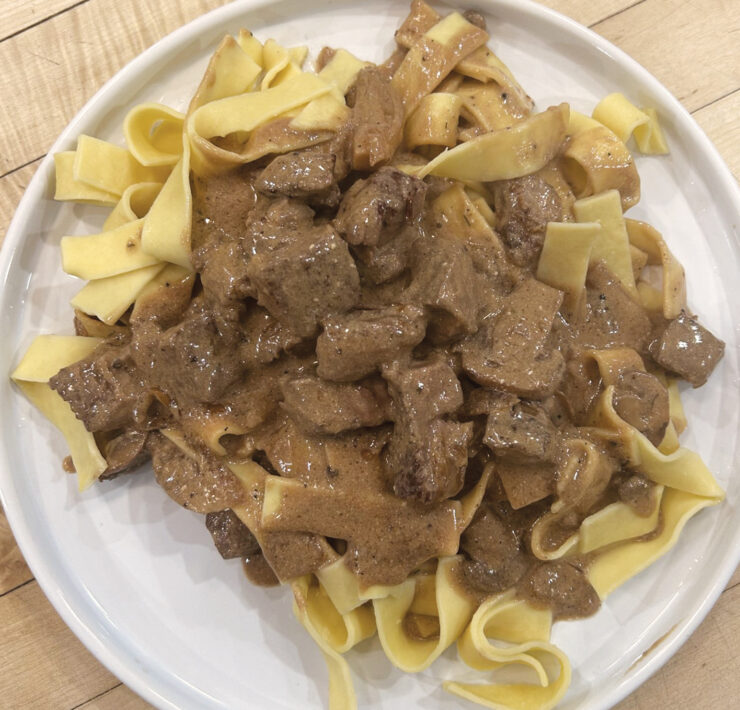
{"type": "Point", "coordinates": [256, 99]}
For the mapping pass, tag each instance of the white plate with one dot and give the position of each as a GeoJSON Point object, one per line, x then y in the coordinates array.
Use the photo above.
{"type": "Point", "coordinates": [137, 578]}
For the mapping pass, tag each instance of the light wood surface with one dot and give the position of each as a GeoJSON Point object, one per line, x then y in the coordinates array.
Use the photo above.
{"type": "Point", "coordinates": [55, 54]}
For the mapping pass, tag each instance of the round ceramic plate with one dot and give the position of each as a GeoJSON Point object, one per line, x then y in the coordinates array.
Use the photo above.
{"type": "Point", "coordinates": [138, 579]}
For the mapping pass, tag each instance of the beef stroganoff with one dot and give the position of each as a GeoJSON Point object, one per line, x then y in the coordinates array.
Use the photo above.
{"type": "Point", "coordinates": [388, 329]}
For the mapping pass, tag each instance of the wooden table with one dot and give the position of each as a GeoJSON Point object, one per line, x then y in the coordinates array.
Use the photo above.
{"type": "Point", "coordinates": [55, 54]}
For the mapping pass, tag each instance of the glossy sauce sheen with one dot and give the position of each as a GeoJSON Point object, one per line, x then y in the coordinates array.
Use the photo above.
{"type": "Point", "coordinates": [355, 335]}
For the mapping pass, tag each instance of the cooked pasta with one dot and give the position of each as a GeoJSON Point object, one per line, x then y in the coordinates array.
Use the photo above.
{"type": "Point", "coordinates": [388, 328]}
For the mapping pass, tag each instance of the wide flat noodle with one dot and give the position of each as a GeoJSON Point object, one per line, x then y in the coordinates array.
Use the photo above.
{"type": "Point", "coordinates": [154, 134]}
{"type": "Point", "coordinates": [565, 257]}
{"type": "Point", "coordinates": [647, 238]}
{"type": "Point", "coordinates": [109, 298]}
{"type": "Point", "coordinates": [242, 114]}
{"type": "Point", "coordinates": [520, 150]}
{"type": "Point", "coordinates": [488, 106]}
{"type": "Point", "coordinates": [612, 245]}
{"type": "Point", "coordinates": [520, 634]}
{"type": "Point", "coordinates": [232, 70]}
{"type": "Point", "coordinates": [334, 633]}
{"type": "Point", "coordinates": [434, 121]}
{"type": "Point", "coordinates": [134, 204]}
{"type": "Point", "coordinates": [70, 189]}
{"type": "Point", "coordinates": [100, 255]}
{"type": "Point", "coordinates": [167, 227]}
{"type": "Point", "coordinates": [434, 56]}
{"type": "Point", "coordinates": [47, 355]}
{"type": "Point", "coordinates": [683, 469]}
{"type": "Point", "coordinates": [622, 117]}
{"type": "Point", "coordinates": [110, 168]}
{"type": "Point", "coordinates": [342, 70]}
{"type": "Point", "coordinates": [595, 160]}
{"type": "Point", "coordinates": [453, 608]}
{"type": "Point", "coordinates": [614, 567]}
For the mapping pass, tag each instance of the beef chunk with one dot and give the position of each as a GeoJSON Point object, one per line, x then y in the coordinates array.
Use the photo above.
{"type": "Point", "coordinates": [561, 585]}
{"type": "Point", "coordinates": [524, 206]}
{"type": "Point", "coordinates": [124, 452]}
{"type": "Point", "coordinates": [642, 401]}
{"type": "Point", "coordinates": [494, 559]}
{"type": "Point", "coordinates": [526, 483]}
{"type": "Point", "coordinates": [355, 345]}
{"type": "Point", "coordinates": [276, 223]}
{"type": "Point", "coordinates": [198, 482]}
{"type": "Point", "coordinates": [264, 338]}
{"type": "Point", "coordinates": [519, 430]}
{"type": "Point", "coordinates": [444, 280]}
{"type": "Point", "coordinates": [193, 361]}
{"type": "Point", "coordinates": [382, 263]}
{"type": "Point", "coordinates": [512, 353]}
{"type": "Point", "coordinates": [221, 204]}
{"type": "Point", "coordinates": [306, 175]}
{"type": "Point", "coordinates": [688, 349]}
{"type": "Point", "coordinates": [104, 390]}
{"type": "Point", "coordinates": [636, 491]}
{"type": "Point", "coordinates": [222, 265]}
{"type": "Point", "coordinates": [427, 455]}
{"type": "Point", "coordinates": [377, 118]}
{"type": "Point", "coordinates": [428, 458]}
{"type": "Point", "coordinates": [320, 407]}
{"type": "Point", "coordinates": [230, 535]}
{"type": "Point", "coordinates": [423, 390]}
{"type": "Point", "coordinates": [611, 318]}
{"type": "Point", "coordinates": [306, 280]}
{"type": "Point", "coordinates": [375, 209]}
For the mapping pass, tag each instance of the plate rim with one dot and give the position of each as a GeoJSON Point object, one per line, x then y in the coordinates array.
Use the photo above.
{"type": "Point", "coordinates": [76, 616]}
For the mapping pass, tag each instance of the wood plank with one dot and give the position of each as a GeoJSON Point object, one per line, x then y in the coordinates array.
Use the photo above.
{"type": "Point", "coordinates": [12, 188]}
{"type": "Point", "coordinates": [710, 654]}
{"type": "Point", "coordinates": [118, 698]}
{"type": "Point", "coordinates": [13, 568]}
{"type": "Point", "coordinates": [66, 60]}
{"type": "Point", "coordinates": [37, 646]}
{"type": "Point", "coordinates": [719, 121]}
{"type": "Point", "coordinates": [690, 47]}
{"type": "Point", "coordinates": [588, 12]}
{"type": "Point", "coordinates": [21, 14]}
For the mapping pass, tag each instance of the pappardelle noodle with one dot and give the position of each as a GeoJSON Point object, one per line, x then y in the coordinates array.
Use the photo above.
{"type": "Point", "coordinates": [388, 328]}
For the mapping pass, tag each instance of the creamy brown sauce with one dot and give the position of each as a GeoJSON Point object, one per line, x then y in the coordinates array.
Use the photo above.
{"type": "Point", "coordinates": [369, 337]}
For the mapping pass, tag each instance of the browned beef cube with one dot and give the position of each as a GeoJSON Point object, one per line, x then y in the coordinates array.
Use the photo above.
{"type": "Point", "coordinates": [374, 209]}
{"type": "Point", "coordinates": [520, 431]}
{"type": "Point", "coordinates": [306, 175]}
{"type": "Point", "coordinates": [273, 224]}
{"type": "Point", "coordinates": [380, 264]}
{"type": "Point", "coordinates": [306, 280]}
{"type": "Point", "coordinates": [355, 345]}
{"type": "Point", "coordinates": [688, 349]}
{"type": "Point", "coordinates": [611, 318]}
{"type": "Point", "coordinates": [230, 535]}
{"type": "Point", "coordinates": [524, 206]}
{"type": "Point", "coordinates": [320, 407]}
{"type": "Point", "coordinates": [201, 483]}
{"type": "Point", "coordinates": [423, 390]}
{"type": "Point", "coordinates": [642, 401]}
{"type": "Point", "coordinates": [104, 389]}
{"type": "Point", "coordinates": [445, 281]}
{"type": "Point", "coordinates": [191, 361]}
{"type": "Point", "coordinates": [428, 458]}
{"type": "Point", "coordinates": [512, 353]}
{"type": "Point", "coordinates": [264, 338]}
{"type": "Point", "coordinates": [222, 265]}
{"type": "Point", "coordinates": [377, 119]}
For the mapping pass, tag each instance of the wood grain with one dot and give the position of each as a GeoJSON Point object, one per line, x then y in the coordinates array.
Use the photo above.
{"type": "Point", "coordinates": [20, 15]}
{"type": "Point", "coordinates": [43, 665]}
{"type": "Point", "coordinates": [58, 53]}
{"type": "Point", "coordinates": [710, 655]}
{"type": "Point", "coordinates": [691, 46]}
{"type": "Point", "coordinates": [68, 59]}
{"type": "Point", "coordinates": [13, 568]}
